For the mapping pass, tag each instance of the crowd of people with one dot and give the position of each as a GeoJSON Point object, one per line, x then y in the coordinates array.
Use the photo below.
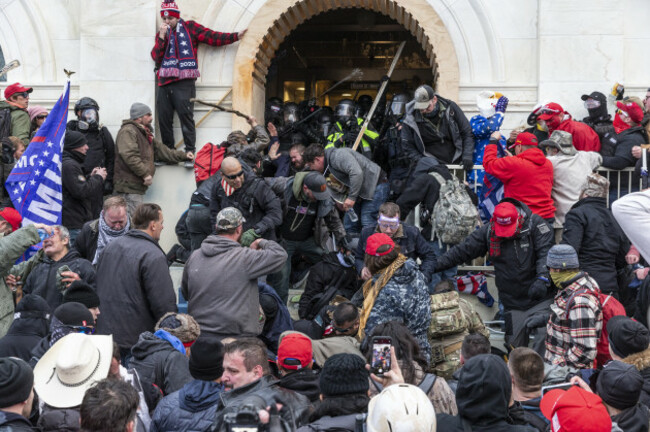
{"type": "Point", "coordinates": [378, 337]}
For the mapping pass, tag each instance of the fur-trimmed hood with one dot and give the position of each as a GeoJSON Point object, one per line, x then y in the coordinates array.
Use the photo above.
{"type": "Point", "coordinates": [640, 360]}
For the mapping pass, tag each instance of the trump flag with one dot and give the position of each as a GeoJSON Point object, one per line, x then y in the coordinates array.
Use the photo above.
{"type": "Point", "coordinates": [34, 184]}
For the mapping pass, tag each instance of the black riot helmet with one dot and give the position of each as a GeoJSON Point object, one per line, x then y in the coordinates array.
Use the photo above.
{"type": "Point", "coordinates": [87, 112]}
{"type": "Point", "coordinates": [291, 113]}
{"type": "Point", "coordinates": [273, 111]}
{"type": "Point", "coordinates": [398, 105]}
{"type": "Point", "coordinates": [344, 111]}
{"type": "Point", "coordinates": [363, 105]}
{"type": "Point", "coordinates": [325, 120]}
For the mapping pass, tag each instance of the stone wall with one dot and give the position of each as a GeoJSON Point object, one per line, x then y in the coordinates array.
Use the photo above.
{"type": "Point", "coordinates": [531, 50]}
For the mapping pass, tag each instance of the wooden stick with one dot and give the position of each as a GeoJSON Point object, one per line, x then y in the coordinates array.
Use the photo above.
{"type": "Point", "coordinates": [202, 119]}
{"type": "Point", "coordinates": [220, 108]}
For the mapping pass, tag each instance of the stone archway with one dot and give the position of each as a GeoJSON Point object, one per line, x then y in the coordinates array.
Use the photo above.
{"type": "Point", "coordinates": [277, 18]}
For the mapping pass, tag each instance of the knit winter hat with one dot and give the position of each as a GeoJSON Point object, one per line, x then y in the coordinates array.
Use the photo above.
{"type": "Point", "coordinates": [74, 314]}
{"type": "Point", "coordinates": [139, 110]}
{"type": "Point", "coordinates": [73, 140]}
{"type": "Point", "coordinates": [32, 305]}
{"type": "Point", "coordinates": [206, 359]}
{"type": "Point", "coordinates": [562, 257]}
{"type": "Point", "coordinates": [183, 326]}
{"type": "Point", "coordinates": [83, 293]}
{"type": "Point", "coordinates": [596, 186]}
{"type": "Point", "coordinates": [619, 385]}
{"type": "Point", "coordinates": [16, 381]}
{"type": "Point", "coordinates": [170, 9]}
{"type": "Point", "coordinates": [35, 111]}
{"type": "Point", "coordinates": [344, 374]}
{"type": "Point", "coordinates": [626, 336]}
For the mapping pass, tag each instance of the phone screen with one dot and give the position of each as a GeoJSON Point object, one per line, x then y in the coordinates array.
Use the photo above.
{"type": "Point", "coordinates": [380, 355]}
{"type": "Point", "coordinates": [563, 386]}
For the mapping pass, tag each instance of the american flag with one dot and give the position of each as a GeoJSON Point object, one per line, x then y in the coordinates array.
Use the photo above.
{"type": "Point", "coordinates": [34, 184]}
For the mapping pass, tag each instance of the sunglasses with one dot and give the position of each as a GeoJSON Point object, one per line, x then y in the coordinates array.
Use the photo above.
{"type": "Point", "coordinates": [234, 176]}
{"type": "Point", "coordinates": [23, 94]}
{"type": "Point", "coordinates": [549, 111]}
{"type": "Point", "coordinates": [41, 116]}
{"type": "Point", "coordinates": [83, 329]}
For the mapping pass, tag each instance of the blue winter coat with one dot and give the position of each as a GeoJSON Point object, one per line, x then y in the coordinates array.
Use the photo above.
{"type": "Point", "coordinates": [192, 408]}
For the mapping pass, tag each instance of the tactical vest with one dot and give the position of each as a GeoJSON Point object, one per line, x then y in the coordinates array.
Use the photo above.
{"type": "Point", "coordinates": [447, 318]}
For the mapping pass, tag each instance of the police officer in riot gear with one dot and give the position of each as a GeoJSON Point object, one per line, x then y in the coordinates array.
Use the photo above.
{"type": "Point", "coordinates": [274, 112]}
{"type": "Point", "coordinates": [101, 147]}
{"type": "Point", "coordinates": [347, 127]}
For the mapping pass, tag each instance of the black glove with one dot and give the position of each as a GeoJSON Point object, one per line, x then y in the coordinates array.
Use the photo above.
{"type": "Point", "coordinates": [535, 321]}
{"type": "Point", "coordinates": [538, 289]}
{"type": "Point", "coordinates": [350, 136]}
{"type": "Point", "coordinates": [468, 164]}
{"type": "Point", "coordinates": [108, 187]}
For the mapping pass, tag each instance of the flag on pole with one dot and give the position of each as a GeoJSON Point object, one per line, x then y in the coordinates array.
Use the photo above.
{"type": "Point", "coordinates": [34, 184]}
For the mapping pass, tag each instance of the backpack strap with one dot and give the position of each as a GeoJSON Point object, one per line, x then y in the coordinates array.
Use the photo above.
{"type": "Point", "coordinates": [440, 179]}
{"type": "Point", "coordinates": [427, 383]}
{"type": "Point", "coordinates": [575, 294]}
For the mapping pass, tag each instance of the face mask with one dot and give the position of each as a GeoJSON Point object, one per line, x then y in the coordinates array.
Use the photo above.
{"type": "Point", "coordinates": [563, 276]}
{"type": "Point", "coordinates": [541, 125]}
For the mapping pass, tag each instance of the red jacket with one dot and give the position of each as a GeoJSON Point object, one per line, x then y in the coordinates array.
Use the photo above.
{"type": "Point", "coordinates": [527, 177]}
{"type": "Point", "coordinates": [584, 137]}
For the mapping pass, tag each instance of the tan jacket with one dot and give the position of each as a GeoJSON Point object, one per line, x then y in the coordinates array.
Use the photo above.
{"type": "Point", "coordinates": [134, 159]}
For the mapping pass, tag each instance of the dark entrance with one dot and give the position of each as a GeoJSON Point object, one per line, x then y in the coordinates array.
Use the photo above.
{"type": "Point", "coordinates": [327, 47]}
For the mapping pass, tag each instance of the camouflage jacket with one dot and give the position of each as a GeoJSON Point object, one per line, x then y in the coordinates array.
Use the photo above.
{"type": "Point", "coordinates": [405, 298]}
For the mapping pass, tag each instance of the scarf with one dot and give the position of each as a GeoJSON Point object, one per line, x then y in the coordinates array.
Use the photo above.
{"type": "Point", "coordinates": [179, 60]}
{"type": "Point", "coordinates": [229, 190]}
{"type": "Point", "coordinates": [371, 291]}
{"type": "Point", "coordinates": [173, 340]}
{"type": "Point", "coordinates": [58, 330]}
{"type": "Point", "coordinates": [495, 241]}
{"type": "Point", "coordinates": [106, 235]}
{"type": "Point", "coordinates": [563, 276]}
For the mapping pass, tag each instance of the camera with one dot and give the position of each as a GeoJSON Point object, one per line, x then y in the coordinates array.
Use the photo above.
{"type": "Point", "coordinates": [245, 418]}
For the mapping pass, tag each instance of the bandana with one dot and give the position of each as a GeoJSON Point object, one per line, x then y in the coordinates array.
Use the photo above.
{"type": "Point", "coordinates": [58, 330]}
{"type": "Point", "coordinates": [179, 60]}
{"type": "Point", "coordinates": [495, 241]}
{"type": "Point", "coordinates": [229, 190]}
{"type": "Point", "coordinates": [107, 234]}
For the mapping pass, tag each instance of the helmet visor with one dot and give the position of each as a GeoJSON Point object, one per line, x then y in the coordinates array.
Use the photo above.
{"type": "Point", "coordinates": [344, 111]}
{"type": "Point", "coordinates": [592, 104]}
{"type": "Point", "coordinates": [398, 108]}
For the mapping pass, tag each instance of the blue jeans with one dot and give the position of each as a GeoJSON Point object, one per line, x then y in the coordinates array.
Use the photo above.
{"type": "Point", "coordinates": [367, 210]}
{"type": "Point", "coordinates": [436, 278]}
{"type": "Point", "coordinates": [308, 248]}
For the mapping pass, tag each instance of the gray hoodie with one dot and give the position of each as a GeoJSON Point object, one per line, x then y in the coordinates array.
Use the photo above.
{"type": "Point", "coordinates": [220, 284]}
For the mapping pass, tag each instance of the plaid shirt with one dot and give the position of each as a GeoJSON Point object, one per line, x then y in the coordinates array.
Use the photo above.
{"type": "Point", "coordinates": [571, 338]}
{"type": "Point", "coordinates": [198, 34]}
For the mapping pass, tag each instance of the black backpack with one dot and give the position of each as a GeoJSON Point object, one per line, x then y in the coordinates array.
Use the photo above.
{"type": "Point", "coordinates": [5, 123]}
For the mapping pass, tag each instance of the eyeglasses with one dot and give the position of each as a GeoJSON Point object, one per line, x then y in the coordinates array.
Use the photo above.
{"type": "Point", "coordinates": [234, 176]}
{"type": "Point", "coordinates": [41, 116]}
{"type": "Point", "coordinates": [83, 329]}
{"type": "Point", "coordinates": [388, 225]}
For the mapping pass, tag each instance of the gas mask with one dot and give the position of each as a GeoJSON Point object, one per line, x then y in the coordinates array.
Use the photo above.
{"type": "Point", "coordinates": [89, 119]}
{"type": "Point", "coordinates": [595, 108]}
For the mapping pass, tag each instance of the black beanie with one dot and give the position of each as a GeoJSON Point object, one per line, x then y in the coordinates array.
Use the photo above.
{"type": "Point", "coordinates": [16, 381]}
{"type": "Point", "coordinates": [83, 293]}
{"type": "Point", "coordinates": [206, 359]}
{"type": "Point", "coordinates": [619, 385]}
{"type": "Point", "coordinates": [344, 374]}
{"type": "Point", "coordinates": [33, 303]}
{"type": "Point", "coordinates": [73, 140]}
{"type": "Point", "coordinates": [626, 336]}
{"type": "Point", "coordinates": [74, 314]}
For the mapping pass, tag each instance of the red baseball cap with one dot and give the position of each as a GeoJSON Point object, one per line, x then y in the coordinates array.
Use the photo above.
{"type": "Point", "coordinates": [575, 410]}
{"type": "Point", "coordinates": [16, 88]}
{"type": "Point", "coordinates": [550, 110]}
{"type": "Point", "coordinates": [506, 218]}
{"type": "Point", "coordinates": [633, 110]}
{"type": "Point", "coordinates": [295, 348]}
{"type": "Point", "coordinates": [525, 139]}
{"type": "Point", "coordinates": [376, 241]}
{"type": "Point", "coordinates": [12, 216]}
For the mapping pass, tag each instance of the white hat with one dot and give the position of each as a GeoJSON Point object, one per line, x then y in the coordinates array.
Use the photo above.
{"type": "Point", "coordinates": [401, 408]}
{"type": "Point", "coordinates": [70, 367]}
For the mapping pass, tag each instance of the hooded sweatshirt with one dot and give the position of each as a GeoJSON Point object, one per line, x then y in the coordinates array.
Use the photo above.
{"type": "Point", "coordinates": [220, 284]}
{"type": "Point", "coordinates": [527, 177]}
{"type": "Point", "coordinates": [482, 397]}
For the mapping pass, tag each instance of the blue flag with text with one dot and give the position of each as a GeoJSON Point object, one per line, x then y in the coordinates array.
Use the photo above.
{"type": "Point", "coordinates": [34, 184]}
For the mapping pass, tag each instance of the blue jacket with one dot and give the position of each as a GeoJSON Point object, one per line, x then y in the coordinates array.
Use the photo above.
{"type": "Point", "coordinates": [282, 320]}
{"type": "Point", "coordinates": [192, 408]}
{"type": "Point", "coordinates": [411, 243]}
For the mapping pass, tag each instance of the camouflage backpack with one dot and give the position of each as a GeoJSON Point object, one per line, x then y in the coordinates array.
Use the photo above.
{"type": "Point", "coordinates": [454, 216]}
{"type": "Point", "coordinates": [447, 318]}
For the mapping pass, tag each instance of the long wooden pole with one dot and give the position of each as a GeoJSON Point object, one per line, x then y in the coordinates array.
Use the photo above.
{"type": "Point", "coordinates": [202, 119]}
